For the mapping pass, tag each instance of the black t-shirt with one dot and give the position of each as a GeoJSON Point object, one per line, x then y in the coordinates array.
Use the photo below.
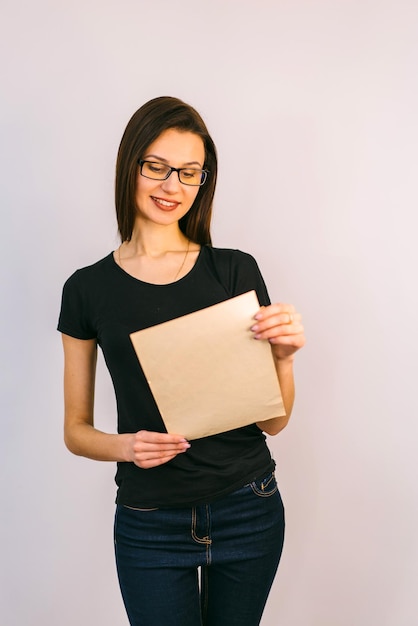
{"type": "Point", "coordinates": [105, 303]}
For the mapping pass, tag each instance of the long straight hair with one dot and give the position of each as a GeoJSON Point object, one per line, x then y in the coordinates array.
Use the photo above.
{"type": "Point", "coordinates": [144, 127]}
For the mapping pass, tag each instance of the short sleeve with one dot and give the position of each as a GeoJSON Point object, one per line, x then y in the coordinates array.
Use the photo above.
{"type": "Point", "coordinates": [238, 273]}
{"type": "Point", "coordinates": [246, 276]}
{"type": "Point", "coordinates": [75, 314]}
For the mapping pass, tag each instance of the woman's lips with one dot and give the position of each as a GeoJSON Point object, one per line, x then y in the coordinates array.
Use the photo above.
{"type": "Point", "coordinates": [165, 205]}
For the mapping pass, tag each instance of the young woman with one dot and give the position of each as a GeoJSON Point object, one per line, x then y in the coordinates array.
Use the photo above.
{"type": "Point", "coordinates": [211, 505]}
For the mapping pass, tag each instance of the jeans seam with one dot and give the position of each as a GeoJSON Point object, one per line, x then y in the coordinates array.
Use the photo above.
{"type": "Point", "coordinates": [203, 540]}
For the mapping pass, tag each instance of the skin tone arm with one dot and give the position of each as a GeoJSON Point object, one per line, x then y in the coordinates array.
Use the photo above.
{"type": "Point", "coordinates": [282, 327]}
{"type": "Point", "coordinates": [145, 449]}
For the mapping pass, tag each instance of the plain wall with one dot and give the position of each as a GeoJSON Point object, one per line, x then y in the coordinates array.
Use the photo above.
{"type": "Point", "coordinates": [313, 107]}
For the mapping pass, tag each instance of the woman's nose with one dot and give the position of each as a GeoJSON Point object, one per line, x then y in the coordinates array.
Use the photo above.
{"type": "Point", "coordinates": [172, 183]}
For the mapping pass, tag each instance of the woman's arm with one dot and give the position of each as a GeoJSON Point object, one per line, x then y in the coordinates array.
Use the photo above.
{"type": "Point", "coordinates": [281, 325]}
{"type": "Point", "coordinates": [145, 449]}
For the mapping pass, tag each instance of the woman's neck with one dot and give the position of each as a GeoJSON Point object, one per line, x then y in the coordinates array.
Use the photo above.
{"type": "Point", "coordinates": [156, 241]}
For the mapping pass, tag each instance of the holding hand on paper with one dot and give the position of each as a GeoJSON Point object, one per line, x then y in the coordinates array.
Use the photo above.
{"type": "Point", "coordinates": [203, 350]}
{"type": "Point", "coordinates": [149, 449]}
{"type": "Point", "coordinates": [282, 326]}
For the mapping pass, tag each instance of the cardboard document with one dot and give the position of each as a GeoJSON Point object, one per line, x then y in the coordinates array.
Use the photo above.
{"type": "Point", "coordinates": [206, 371]}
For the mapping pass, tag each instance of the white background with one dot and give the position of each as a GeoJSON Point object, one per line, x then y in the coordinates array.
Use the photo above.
{"type": "Point", "coordinates": [313, 106]}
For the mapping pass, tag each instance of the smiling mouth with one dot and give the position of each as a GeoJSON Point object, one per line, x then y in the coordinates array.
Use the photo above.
{"type": "Point", "coordinates": [164, 204]}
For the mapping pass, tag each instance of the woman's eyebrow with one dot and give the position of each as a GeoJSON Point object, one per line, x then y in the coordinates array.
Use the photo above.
{"type": "Point", "coordinates": [155, 156]}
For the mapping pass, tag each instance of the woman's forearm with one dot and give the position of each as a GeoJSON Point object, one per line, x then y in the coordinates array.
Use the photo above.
{"type": "Point", "coordinates": [284, 369]}
{"type": "Point", "coordinates": [85, 440]}
{"type": "Point", "coordinates": [144, 448]}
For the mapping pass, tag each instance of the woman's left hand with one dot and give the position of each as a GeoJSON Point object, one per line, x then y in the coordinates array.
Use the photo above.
{"type": "Point", "coordinates": [281, 325]}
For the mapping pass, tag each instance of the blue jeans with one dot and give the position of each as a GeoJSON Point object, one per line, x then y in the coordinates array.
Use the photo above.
{"type": "Point", "coordinates": [236, 542]}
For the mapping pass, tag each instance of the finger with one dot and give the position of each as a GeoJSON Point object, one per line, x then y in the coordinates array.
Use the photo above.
{"type": "Point", "coordinates": [297, 341]}
{"type": "Point", "coordinates": [286, 317]}
{"type": "Point", "coordinates": [139, 442]}
{"type": "Point", "coordinates": [281, 332]}
{"type": "Point", "coordinates": [280, 319]}
{"type": "Point", "coordinates": [275, 314]}
{"type": "Point", "coordinates": [274, 309]}
{"type": "Point", "coordinates": [149, 436]}
{"type": "Point", "coordinates": [142, 455]}
{"type": "Point", "coordinates": [150, 442]}
{"type": "Point", "coordinates": [155, 462]}
{"type": "Point", "coordinates": [153, 450]}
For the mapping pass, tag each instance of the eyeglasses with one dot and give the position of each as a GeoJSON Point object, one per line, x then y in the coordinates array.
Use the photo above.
{"type": "Point", "coordinates": [160, 171]}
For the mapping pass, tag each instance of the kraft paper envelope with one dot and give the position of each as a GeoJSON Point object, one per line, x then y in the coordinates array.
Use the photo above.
{"type": "Point", "coordinates": [206, 371]}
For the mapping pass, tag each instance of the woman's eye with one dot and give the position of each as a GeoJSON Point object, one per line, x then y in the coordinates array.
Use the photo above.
{"type": "Point", "coordinates": [155, 167]}
{"type": "Point", "coordinates": [190, 173]}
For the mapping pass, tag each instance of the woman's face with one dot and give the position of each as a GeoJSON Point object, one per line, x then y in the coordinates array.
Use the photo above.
{"type": "Point", "coordinates": [167, 201]}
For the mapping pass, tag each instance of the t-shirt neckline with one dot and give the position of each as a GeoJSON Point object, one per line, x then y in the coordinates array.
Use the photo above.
{"type": "Point", "coordinates": [143, 282]}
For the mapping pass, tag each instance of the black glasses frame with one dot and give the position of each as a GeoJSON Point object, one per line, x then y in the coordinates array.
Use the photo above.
{"type": "Point", "coordinates": [174, 169]}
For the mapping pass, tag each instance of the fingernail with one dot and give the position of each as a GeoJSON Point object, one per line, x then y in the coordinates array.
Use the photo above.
{"type": "Point", "coordinates": [255, 327]}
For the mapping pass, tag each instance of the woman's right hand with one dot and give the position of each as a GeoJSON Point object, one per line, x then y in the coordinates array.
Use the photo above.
{"type": "Point", "coordinates": [149, 449]}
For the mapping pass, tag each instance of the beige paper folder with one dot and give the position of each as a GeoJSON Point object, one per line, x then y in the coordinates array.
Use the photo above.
{"type": "Point", "coordinates": [206, 371]}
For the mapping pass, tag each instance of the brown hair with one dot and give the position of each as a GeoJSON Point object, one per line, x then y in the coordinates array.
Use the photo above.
{"type": "Point", "coordinates": [153, 118]}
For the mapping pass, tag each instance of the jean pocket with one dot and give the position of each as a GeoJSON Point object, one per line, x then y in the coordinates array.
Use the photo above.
{"type": "Point", "coordinates": [265, 487]}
